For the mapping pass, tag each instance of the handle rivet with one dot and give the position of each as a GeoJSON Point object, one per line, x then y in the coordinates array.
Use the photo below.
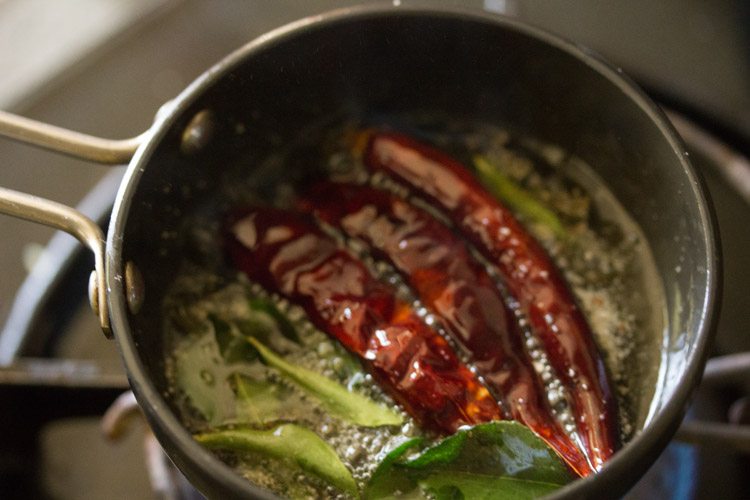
{"type": "Point", "coordinates": [135, 288]}
{"type": "Point", "coordinates": [198, 132]}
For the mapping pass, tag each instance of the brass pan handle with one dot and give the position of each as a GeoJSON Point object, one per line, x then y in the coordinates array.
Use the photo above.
{"type": "Point", "coordinates": [70, 220]}
{"type": "Point", "coordinates": [83, 146]}
{"type": "Point", "coordinates": [56, 215]}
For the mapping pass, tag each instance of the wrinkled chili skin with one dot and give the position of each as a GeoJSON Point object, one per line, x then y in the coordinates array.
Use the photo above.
{"type": "Point", "coordinates": [528, 273]}
{"type": "Point", "coordinates": [456, 288]}
{"type": "Point", "coordinates": [290, 256]}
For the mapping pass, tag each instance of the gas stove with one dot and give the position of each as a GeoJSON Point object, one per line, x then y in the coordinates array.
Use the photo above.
{"type": "Point", "coordinates": [58, 375]}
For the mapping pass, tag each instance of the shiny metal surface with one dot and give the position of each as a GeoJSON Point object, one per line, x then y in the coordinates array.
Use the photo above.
{"type": "Point", "coordinates": [75, 144]}
{"type": "Point", "coordinates": [733, 434]}
{"type": "Point", "coordinates": [70, 220]}
{"type": "Point", "coordinates": [135, 289]}
{"type": "Point", "coordinates": [733, 166]}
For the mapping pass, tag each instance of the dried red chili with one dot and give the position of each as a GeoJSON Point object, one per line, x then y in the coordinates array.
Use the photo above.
{"type": "Point", "coordinates": [529, 275]}
{"type": "Point", "coordinates": [452, 284]}
{"type": "Point", "coordinates": [290, 256]}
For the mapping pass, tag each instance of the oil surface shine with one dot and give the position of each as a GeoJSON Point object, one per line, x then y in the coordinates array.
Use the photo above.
{"type": "Point", "coordinates": [603, 256]}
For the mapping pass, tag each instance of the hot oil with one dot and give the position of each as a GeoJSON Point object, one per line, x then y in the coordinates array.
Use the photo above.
{"type": "Point", "coordinates": [605, 260]}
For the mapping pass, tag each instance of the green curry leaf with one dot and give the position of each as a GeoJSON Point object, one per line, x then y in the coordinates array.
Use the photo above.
{"type": "Point", "coordinates": [259, 402]}
{"type": "Point", "coordinates": [383, 482]}
{"type": "Point", "coordinates": [518, 198]}
{"type": "Point", "coordinates": [499, 448]}
{"type": "Point", "coordinates": [334, 397]}
{"type": "Point", "coordinates": [201, 376]}
{"type": "Point", "coordinates": [464, 485]}
{"type": "Point", "coordinates": [289, 443]}
{"type": "Point", "coordinates": [232, 347]}
{"type": "Point", "coordinates": [492, 460]}
{"type": "Point", "coordinates": [286, 328]}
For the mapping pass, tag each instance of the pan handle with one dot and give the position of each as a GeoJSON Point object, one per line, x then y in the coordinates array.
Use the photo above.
{"type": "Point", "coordinates": [83, 146]}
{"type": "Point", "coordinates": [73, 222]}
{"type": "Point", "coordinates": [56, 215]}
